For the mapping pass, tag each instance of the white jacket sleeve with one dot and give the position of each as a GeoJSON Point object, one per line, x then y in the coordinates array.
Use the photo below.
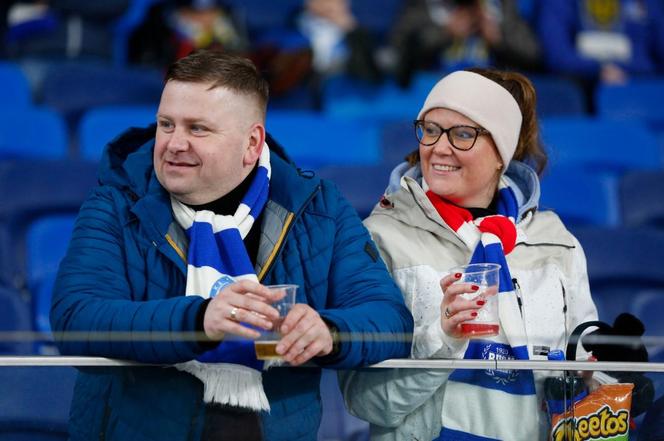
{"type": "Point", "coordinates": [421, 289]}
{"type": "Point", "coordinates": [429, 341]}
{"type": "Point", "coordinates": [385, 397]}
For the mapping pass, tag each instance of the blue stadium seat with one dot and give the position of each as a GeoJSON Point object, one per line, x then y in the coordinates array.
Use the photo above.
{"type": "Point", "coordinates": [344, 96]}
{"type": "Point", "coordinates": [313, 140]}
{"type": "Point", "coordinates": [379, 21]}
{"type": "Point", "coordinates": [31, 132]}
{"type": "Point", "coordinates": [641, 199]}
{"type": "Point", "coordinates": [397, 140]}
{"type": "Point", "coordinates": [558, 96]}
{"type": "Point", "coordinates": [612, 146]}
{"type": "Point", "coordinates": [15, 88]}
{"type": "Point", "coordinates": [47, 239]}
{"type": "Point", "coordinates": [647, 305]}
{"type": "Point", "coordinates": [625, 269]}
{"type": "Point", "coordinates": [14, 319]}
{"type": "Point", "coordinates": [637, 100]}
{"type": "Point", "coordinates": [336, 423]}
{"type": "Point", "coordinates": [31, 189]}
{"type": "Point", "coordinates": [34, 404]}
{"type": "Point", "coordinates": [100, 125]}
{"type": "Point", "coordinates": [579, 196]}
{"type": "Point", "coordinates": [363, 186]}
{"type": "Point", "coordinates": [73, 89]}
{"type": "Point", "coordinates": [264, 15]}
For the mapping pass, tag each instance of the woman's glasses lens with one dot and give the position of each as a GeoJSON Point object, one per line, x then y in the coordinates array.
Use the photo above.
{"type": "Point", "coordinates": [461, 137]}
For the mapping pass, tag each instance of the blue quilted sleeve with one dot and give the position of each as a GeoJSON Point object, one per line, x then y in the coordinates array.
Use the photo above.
{"type": "Point", "coordinates": [96, 310]}
{"type": "Point", "coordinates": [363, 301]}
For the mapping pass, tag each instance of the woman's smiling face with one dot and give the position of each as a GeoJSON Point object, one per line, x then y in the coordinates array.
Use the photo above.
{"type": "Point", "coordinates": [467, 178]}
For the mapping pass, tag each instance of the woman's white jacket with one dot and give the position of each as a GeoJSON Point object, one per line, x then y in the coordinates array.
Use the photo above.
{"type": "Point", "coordinates": [548, 264]}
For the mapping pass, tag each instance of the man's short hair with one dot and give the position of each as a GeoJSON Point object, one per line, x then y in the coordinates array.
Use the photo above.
{"type": "Point", "coordinates": [221, 69]}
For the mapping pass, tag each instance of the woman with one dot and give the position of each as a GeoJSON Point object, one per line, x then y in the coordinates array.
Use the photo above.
{"type": "Point", "coordinates": [470, 194]}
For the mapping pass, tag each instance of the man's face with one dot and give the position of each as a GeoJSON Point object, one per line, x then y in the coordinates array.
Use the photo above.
{"type": "Point", "coordinates": [207, 141]}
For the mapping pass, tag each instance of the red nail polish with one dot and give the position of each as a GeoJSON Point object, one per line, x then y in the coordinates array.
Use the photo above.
{"type": "Point", "coordinates": [473, 314]}
{"type": "Point", "coordinates": [480, 302]}
{"type": "Point", "coordinates": [457, 275]}
{"type": "Point", "coordinates": [474, 287]}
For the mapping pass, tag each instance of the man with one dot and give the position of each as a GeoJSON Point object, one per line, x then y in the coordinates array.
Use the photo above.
{"type": "Point", "coordinates": [166, 247]}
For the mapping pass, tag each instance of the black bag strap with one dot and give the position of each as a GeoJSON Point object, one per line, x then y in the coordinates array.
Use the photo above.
{"type": "Point", "coordinates": [570, 353]}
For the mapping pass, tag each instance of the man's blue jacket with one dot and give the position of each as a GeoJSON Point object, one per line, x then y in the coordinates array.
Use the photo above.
{"type": "Point", "coordinates": [120, 293]}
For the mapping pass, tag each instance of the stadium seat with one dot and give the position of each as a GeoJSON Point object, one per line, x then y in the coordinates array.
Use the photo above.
{"type": "Point", "coordinates": [647, 305]}
{"type": "Point", "coordinates": [363, 186]}
{"type": "Point", "coordinates": [379, 23]}
{"type": "Point", "coordinates": [625, 270]}
{"type": "Point", "coordinates": [314, 140]}
{"type": "Point", "coordinates": [579, 196]}
{"type": "Point", "coordinates": [47, 239]}
{"type": "Point", "coordinates": [601, 145]}
{"type": "Point", "coordinates": [16, 92]}
{"type": "Point", "coordinates": [73, 89]}
{"type": "Point", "coordinates": [14, 320]}
{"type": "Point", "coordinates": [261, 15]}
{"type": "Point", "coordinates": [100, 125]}
{"type": "Point", "coordinates": [397, 140]}
{"type": "Point", "coordinates": [344, 96]}
{"type": "Point", "coordinates": [32, 132]}
{"type": "Point", "coordinates": [639, 100]}
{"type": "Point", "coordinates": [34, 404]}
{"type": "Point", "coordinates": [558, 96]}
{"type": "Point", "coordinates": [32, 189]}
{"type": "Point", "coordinates": [641, 199]}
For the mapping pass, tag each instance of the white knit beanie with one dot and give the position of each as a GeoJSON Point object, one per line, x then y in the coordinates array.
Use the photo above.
{"type": "Point", "coordinates": [484, 101]}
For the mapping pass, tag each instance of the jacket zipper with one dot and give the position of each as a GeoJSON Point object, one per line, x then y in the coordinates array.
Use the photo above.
{"type": "Point", "coordinates": [562, 286]}
{"type": "Point", "coordinates": [517, 291]}
{"type": "Point", "coordinates": [290, 220]}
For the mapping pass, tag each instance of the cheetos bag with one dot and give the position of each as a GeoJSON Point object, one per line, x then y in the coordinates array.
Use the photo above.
{"type": "Point", "coordinates": [603, 414]}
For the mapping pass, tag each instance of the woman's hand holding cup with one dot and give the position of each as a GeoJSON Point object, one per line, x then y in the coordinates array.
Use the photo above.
{"type": "Point", "coordinates": [470, 305]}
{"type": "Point", "coordinates": [454, 309]}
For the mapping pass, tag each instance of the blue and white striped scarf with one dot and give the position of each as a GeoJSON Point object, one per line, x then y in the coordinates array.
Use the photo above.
{"type": "Point", "coordinates": [484, 405]}
{"type": "Point", "coordinates": [217, 257]}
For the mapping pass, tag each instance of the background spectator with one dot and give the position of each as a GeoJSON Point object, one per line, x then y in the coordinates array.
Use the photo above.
{"type": "Point", "coordinates": [339, 43]}
{"type": "Point", "coordinates": [604, 41]}
{"type": "Point", "coordinates": [174, 28]}
{"type": "Point", "coordinates": [453, 34]}
{"type": "Point", "coordinates": [62, 29]}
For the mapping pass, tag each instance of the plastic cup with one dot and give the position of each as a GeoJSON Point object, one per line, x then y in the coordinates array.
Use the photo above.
{"type": "Point", "coordinates": [266, 344]}
{"type": "Point", "coordinates": [486, 276]}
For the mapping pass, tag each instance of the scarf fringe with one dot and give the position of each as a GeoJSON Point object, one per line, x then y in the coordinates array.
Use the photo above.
{"type": "Point", "coordinates": [216, 258]}
{"type": "Point", "coordinates": [231, 384]}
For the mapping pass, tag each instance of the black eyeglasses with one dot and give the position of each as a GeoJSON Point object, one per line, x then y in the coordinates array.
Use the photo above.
{"type": "Point", "coordinates": [461, 137]}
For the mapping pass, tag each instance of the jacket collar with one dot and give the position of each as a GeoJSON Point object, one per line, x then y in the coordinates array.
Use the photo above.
{"type": "Point", "coordinates": [520, 177]}
{"type": "Point", "coordinates": [128, 165]}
